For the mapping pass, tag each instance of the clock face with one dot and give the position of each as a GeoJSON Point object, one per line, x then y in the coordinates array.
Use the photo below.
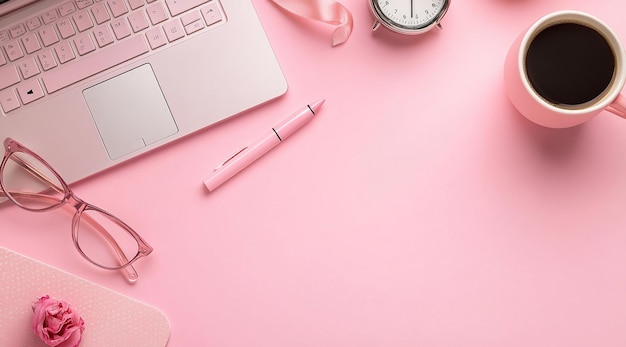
{"type": "Point", "coordinates": [410, 14]}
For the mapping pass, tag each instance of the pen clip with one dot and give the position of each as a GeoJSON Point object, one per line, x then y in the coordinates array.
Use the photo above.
{"type": "Point", "coordinates": [229, 159]}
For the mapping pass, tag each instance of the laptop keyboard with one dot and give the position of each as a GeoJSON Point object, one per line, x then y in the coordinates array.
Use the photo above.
{"type": "Point", "coordinates": [78, 39]}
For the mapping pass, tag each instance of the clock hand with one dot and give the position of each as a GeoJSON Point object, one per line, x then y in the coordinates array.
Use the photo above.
{"type": "Point", "coordinates": [411, 8]}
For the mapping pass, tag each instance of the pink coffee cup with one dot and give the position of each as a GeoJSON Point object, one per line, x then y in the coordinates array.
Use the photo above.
{"type": "Point", "coordinates": [529, 96]}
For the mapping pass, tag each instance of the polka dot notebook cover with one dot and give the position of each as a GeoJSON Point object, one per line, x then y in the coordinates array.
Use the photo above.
{"type": "Point", "coordinates": [111, 319]}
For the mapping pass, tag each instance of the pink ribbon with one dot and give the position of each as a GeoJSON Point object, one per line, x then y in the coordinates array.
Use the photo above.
{"type": "Point", "coordinates": [326, 11]}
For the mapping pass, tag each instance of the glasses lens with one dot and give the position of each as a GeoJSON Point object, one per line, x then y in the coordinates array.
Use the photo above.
{"type": "Point", "coordinates": [104, 239]}
{"type": "Point", "coordinates": [30, 183]}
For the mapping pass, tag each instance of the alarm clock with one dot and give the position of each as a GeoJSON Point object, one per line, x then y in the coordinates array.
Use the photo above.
{"type": "Point", "coordinates": [410, 17]}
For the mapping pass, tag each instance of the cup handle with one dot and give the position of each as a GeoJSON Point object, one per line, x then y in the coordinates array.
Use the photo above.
{"type": "Point", "coordinates": [618, 106]}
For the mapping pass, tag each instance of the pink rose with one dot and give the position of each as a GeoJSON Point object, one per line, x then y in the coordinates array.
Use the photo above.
{"type": "Point", "coordinates": [56, 323]}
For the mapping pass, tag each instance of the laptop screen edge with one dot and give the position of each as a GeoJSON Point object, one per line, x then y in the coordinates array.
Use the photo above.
{"type": "Point", "coordinates": [8, 6]}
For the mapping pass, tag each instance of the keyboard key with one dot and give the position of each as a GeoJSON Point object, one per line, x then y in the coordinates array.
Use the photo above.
{"type": "Point", "coordinates": [84, 3]}
{"type": "Point", "coordinates": [33, 23]}
{"type": "Point", "coordinates": [66, 29]}
{"type": "Point", "coordinates": [4, 35]}
{"type": "Point", "coordinates": [177, 7]}
{"type": "Point", "coordinates": [190, 17]}
{"type": "Point", "coordinates": [193, 27]}
{"type": "Point", "coordinates": [138, 21]}
{"type": "Point", "coordinates": [17, 30]}
{"type": "Point", "coordinates": [84, 44]}
{"type": "Point", "coordinates": [67, 8]}
{"type": "Point", "coordinates": [64, 52]}
{"type": "Point", "coordinates": [103, 35]}
{"type": "Point", "coordinates": [8, 100]}
{"type": "Point", "coordinates": [173, 30]}
{"type": "Point", "coordinates": [156, 37]}
{"type": "Point", "coordinates": [211, 14]}
{"type": "Point", "coordinates": [50, 16]}
{"type": "Point", "coordinates": [82, 21]}
{"type": "Point", "coordinates": [46, 59]}
{"type": "Point", "coordinates": [8, 76]}
{"type": "Point", "coordinates": [13, 50]}
{"type": "Point", "coordinates": [30, 91]}
{"type": "Point", "coordinates": [48, 36]}
{"type": "Point", "coordinates": [28, 67]}
{"type": "Point", "coordinates": [100, 13]}
{"type": "Point", "coordinates": [156, 12]}
{"type": "Point", "coordinates": [118, 7]}
{"type": "Point", "coordinates": [108, 57]}
{"type": "Point", "coordinates": [135, 4]}
{"type": "Point", "coordinates": [120, 27]}
{"type": "Point", "coordinates": [2, 59]}
{"type": "Point", "coordinates": [30, 42]}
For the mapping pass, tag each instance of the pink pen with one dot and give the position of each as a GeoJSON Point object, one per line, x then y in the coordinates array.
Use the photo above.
{"type": "Point", "coordinates": [262, 145]}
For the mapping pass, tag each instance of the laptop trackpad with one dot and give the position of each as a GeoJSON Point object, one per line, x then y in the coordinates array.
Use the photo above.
{"type": "Point", "coordinates": [130, 111]}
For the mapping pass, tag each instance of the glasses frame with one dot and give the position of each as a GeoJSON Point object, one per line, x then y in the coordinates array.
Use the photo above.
{"type": "Point", "coordinates": [79, 206]}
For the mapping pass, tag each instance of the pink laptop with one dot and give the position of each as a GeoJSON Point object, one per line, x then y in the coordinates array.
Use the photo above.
{"type": "Point", "coordinates": [88, 84]}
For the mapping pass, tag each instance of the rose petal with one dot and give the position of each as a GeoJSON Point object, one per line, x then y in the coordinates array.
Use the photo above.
{"type": "Point", "coordinates": [56, 323]}
{"type": "Point", "coordinates": [73, 339]}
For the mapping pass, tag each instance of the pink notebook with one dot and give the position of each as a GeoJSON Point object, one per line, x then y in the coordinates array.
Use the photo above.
{"type": "Point", "coordinates": [111, 319]}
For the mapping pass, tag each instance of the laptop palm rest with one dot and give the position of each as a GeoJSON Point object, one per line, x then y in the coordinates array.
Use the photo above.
{"type": "Point", "coordinates": [130, 111]}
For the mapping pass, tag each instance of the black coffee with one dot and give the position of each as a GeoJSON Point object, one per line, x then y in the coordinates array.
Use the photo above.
{"type": "Point", "coordinates": [569, 64]}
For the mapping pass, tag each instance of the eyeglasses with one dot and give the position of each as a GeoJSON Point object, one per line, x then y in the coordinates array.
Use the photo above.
{"type": "Point", "coordinates": [101, 238]}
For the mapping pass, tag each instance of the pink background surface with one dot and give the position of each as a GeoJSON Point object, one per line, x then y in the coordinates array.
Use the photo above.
{"type": "Point", "coordinates": [419, 209]}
